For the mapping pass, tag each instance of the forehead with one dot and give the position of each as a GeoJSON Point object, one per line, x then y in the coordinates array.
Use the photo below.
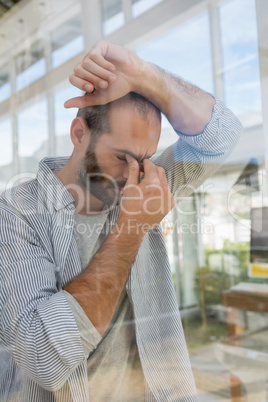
{"type": "Point", "coordinates": [129, 130]}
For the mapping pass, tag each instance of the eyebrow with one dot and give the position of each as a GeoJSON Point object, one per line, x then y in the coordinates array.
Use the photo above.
{"type": "Point", "coordinates": [137, 157]}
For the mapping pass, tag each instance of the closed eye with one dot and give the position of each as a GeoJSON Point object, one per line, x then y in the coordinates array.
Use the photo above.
{"type": "Point", "coordinates": [121, 159]}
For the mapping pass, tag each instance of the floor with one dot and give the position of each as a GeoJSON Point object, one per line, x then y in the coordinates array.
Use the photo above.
{"type": "Point", "coordinates": [213, 379]}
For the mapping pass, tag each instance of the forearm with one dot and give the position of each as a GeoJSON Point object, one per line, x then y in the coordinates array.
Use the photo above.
{"type": "Point", "coordinates": [99, 287]}
{"type": "Point", "coordinates": [120, 71]}
{"type": "Point", "coordinates": [187, 107]}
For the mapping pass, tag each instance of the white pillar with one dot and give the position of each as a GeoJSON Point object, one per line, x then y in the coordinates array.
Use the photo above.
{"type": "Point", "coordinates": [126, 5]}
{"type": "Point", "coordinates": [13, 112]}
{"type": "Point", "coordinates": [261, 13]}
{"type": "Point", "coordinates": [216, 50]}
{"type": "Point", "coordinates": [91, 22]}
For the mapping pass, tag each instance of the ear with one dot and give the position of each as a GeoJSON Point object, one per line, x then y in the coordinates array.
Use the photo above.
{"type": "Point", "coordinates": [80, 133]}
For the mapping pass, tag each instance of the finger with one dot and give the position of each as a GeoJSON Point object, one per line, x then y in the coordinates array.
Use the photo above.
{"type": "Point", "coordinates": [162, 177]}
{"type": "Point", "coordinates": [88, 83]}
{"type": "Point", "coordinates": [99, 60]}
{"type": "Point", "coordinates": [84, 85]}
{"type": "Point", "coordinates": [133, 171]}
{"type": "Point", "coordinates": [169, 202]}
{"type": "Point", "coordinates": [92, 72]}
{"type": "Point", "coordinates": [150, 170]}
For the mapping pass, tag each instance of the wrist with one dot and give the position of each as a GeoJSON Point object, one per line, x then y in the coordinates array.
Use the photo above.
{"type": "Point", "coordinates": [128, 230]}
{"type": "Point", "coordinates": [144, 72]}
{"type": "Point", "coordinates": [150, 83]}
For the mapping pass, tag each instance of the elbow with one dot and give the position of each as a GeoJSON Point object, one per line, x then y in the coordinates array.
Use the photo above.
{"type": "Point", "coordinates": [51, 379]}
{"type": "Point", "coordinates": [52, 372]}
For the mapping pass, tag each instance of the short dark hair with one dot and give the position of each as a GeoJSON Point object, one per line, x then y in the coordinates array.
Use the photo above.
{"type": "Point", "coordinates": [97, 117]}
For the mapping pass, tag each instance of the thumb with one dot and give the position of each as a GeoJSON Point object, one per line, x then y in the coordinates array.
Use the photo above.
{"type": "Point", "coordinates": [133, 171]}
{"type": "Point", "coordinates": [81, 101]}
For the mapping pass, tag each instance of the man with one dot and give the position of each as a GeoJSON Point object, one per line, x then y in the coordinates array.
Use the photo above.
{"type": "Point", "coordinates": [88, 309]}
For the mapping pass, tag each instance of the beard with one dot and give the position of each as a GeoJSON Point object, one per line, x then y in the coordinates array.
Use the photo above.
{"type": "Point", "coordinates": [96, 182]}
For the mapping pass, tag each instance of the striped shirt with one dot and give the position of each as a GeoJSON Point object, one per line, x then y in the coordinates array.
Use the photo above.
{"type": "Point", "coordinates": [41, 354]}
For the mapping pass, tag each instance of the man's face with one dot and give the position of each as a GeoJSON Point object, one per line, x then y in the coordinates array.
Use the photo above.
{"type": "Point", "coordinates": [104, 169]}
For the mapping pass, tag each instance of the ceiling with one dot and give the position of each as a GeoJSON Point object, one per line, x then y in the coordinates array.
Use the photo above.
{"type": "Point", "coordinates": [5, 5]}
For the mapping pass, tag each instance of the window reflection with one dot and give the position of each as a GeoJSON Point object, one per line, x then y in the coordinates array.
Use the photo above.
{"type": "Point", "coordinates": [241, 59]}
{"type": "Point", "coordinates": [6, 152]}
{"type": "Point", "coordinates": [5, 86]}
{"type": "Point", "coordinates": [67, 41]}
{"type": "Point", "coordinates": [30, 65]}
{"type": "Point", "coordinates": [32, 135]}
{"type": "Point", "coordinates": [177, 51]}
{"type": "Point", "coordinates": [63, 119]}
{"type": "Point", "coordinates": [212, 245]}
{"type": "Point", "coordinates": [140, 6]}
{"type": "Point", "coordinates": [112, 15]}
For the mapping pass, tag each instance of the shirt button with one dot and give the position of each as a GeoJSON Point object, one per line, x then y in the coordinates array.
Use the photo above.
{"type": "Point", "coordinates": [57, 269]}
{"type": "Point", "coordinates": [68, 227]}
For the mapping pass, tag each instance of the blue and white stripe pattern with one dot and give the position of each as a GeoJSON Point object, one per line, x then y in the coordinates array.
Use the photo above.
{"type": "Point", "coordinates": [41, 355]}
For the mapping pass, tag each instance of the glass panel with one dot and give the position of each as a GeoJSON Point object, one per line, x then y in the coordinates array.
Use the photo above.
{"type": "Point", "coordinates": [217, 233]}
{"type": "Point", "coordinates": [140, 6]}
{"type": "Point", "coordinates": [178, 50]}
{"type": "Point", "coordinates": [67, 41]}
{"type": "Point", "coordinates": [63, 119]}
{"type": "Point", "coordinates": [32, 135]}
{"type": "Point", "coordinates": [112, 15]}
{"type": "Point", "coordinates": [67, 51]}
{"type": "Point", "coordinates": [5, 86]}
{"type": "Point", "coordinates": [240, 57]}
{"type": "Point", "coordinates": [6, 152]}
{"type": "Point", "coordinates": [30, 65]}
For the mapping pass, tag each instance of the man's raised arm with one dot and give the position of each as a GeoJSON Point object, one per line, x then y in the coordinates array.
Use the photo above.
{"type": "Point", "coordinates": [115, 71]}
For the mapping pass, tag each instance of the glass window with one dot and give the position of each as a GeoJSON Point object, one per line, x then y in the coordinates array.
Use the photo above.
{"type": "Point", "coordinates": [63, 118]}
{"type": "Point", "coordinates": [140, 6]}
{"type": "Point", "coordinates": [112, 15]}
{"type": "Point", "coordinates": [178, 50]}
{"type": "Point", "coordinates": [30, 65]}
{"type": "Point", "coordinates": [240, 58]}
{"type": "Point", "coordinates": [6, 152]}
{"type": "Point", "coordinates": [67, 41]}
{"type": "Point", "coordinates": [32, 135]}
{"type": "Point", "coordinates": [5, 86]}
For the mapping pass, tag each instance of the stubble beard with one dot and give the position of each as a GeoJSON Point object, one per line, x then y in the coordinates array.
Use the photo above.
{"type": "Point", "coordinates": [92, 179]}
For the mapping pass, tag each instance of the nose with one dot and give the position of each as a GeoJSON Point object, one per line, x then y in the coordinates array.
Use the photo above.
{"type": "Point", "coordinates": [125, 174]}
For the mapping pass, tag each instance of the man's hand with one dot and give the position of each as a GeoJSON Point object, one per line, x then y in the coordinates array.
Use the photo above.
{"type": "Point", "coordinates": [147, 202]}
{"type": "Point", "coordinates": [112, 70]}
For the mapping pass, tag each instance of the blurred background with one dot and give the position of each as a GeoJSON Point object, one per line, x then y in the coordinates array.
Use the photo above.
{"type": "Point", "coordinates": [217, 238]}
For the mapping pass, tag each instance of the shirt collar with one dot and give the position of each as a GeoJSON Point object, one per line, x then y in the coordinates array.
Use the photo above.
{"type": "Point", "coordinates": [51, 185]}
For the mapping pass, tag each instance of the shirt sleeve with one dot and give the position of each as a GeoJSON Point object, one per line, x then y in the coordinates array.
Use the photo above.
{"type": "Point", "coordinates": [90, 337]}
{"type": "Point", "coordinates": [193, 158]}
{"type": "Point", "coordinates": [37, 325]}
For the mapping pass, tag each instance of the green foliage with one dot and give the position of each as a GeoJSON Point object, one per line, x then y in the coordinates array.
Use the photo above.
{"type": "Point", "coordinates": [197, 335]}
{"type": "Point", "coordinates": [211, 282]}
{"type": "Point", "coordinates": [241, 251]}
